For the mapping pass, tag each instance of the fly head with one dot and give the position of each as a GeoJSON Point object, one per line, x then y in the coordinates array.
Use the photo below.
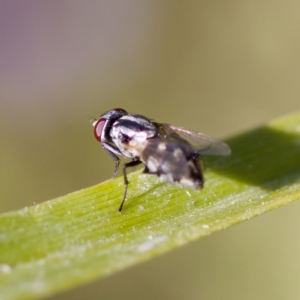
{"type": "Point", "coordinates": [103, 125]}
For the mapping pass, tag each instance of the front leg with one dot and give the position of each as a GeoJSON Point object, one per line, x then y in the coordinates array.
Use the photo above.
{"type": "Point", "coordinates": [126, 182]}
{"type": "Point", "coordinates": [112, 151]}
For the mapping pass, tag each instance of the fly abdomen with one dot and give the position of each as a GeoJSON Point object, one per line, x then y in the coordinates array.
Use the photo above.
{"type": "Point", "coordinates": [172, 163]}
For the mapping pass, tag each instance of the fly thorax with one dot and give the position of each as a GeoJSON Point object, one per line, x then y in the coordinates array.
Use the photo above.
{"type": "Point", "coordinates": [130, 141]}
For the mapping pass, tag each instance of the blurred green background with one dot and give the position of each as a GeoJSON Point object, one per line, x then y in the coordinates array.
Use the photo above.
{"type": "Point", "coordinates": [219, 67]}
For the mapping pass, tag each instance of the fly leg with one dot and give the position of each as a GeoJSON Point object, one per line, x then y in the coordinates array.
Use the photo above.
{"type": "Point", "coordinates": [126, 182]}
{"type": "Point", "coordinates": [112, 151]}
{"type": "Point", "coordinates": [117, 163]}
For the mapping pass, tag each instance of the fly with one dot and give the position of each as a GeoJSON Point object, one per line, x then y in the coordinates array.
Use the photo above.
{"type": "Point", "coordinates": [172, 153]}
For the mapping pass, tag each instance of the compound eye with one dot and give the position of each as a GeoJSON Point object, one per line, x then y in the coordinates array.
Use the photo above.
{"type": "Point", "coordinates": [98, 128]}
{"type": "Point", "coordinates": [119, 110]}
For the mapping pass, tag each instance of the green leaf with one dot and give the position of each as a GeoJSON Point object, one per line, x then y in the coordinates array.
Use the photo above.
{"type": "Point", "coordinates": [80, 237]}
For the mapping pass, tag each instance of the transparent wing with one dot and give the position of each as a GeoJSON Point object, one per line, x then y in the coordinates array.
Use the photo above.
{"type": "Point", "coordinates": [204, 144]}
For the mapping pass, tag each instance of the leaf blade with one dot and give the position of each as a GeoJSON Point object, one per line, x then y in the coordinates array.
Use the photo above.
{"type": "Point", "coordinates": [77, 238]}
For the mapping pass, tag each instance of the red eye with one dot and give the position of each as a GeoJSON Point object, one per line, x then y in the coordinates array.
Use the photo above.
{"type": "Point", "coordinates": [98, 128]}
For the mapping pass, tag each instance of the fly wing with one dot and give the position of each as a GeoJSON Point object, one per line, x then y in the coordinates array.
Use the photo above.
{"type": "Point", "coordinates": [202, 143]}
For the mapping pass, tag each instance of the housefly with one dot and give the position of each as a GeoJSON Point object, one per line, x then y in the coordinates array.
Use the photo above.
{"type": "Point", "coordinates": [172, 153]}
